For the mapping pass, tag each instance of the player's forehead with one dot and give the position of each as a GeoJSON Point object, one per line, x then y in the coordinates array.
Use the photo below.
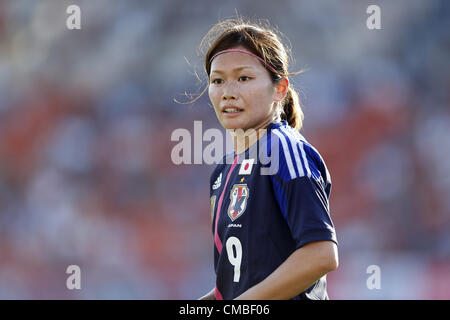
{"type": "Point", "coordinates": [233, 62]}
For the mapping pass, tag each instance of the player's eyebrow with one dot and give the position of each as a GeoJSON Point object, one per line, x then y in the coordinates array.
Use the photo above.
{"type": "Point", "coordinates": [234, 70]}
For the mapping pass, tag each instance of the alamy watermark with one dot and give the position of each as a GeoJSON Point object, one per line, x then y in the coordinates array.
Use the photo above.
{"type": "Point", "coordinates": [374, 280]}
{"type": "Point", "coordinates": [74, 280]}
{"type": "Point", "coordinates": [74, 19]}
{"type": "Point", "coordinates": [373, 22]}
{"type": "Point", "coordinates": [190, 150]}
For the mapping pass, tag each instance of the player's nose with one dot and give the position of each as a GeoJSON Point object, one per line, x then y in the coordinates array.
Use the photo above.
{"type": "Point", "coordinates": [229, 92]}
{"type": "Point", "coordinates": [228, 97]}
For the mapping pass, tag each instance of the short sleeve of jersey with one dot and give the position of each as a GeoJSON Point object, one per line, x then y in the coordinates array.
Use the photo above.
{"type": "Point", "coordinates": [302, 186]}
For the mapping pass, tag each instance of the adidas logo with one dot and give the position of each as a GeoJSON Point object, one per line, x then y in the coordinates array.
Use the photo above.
{"type": "Point", "coordinates": [218, 182]}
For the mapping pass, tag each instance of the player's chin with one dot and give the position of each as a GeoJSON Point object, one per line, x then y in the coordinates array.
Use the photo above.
{"type": "Point", "coordinates": [234, 123]}
{"type": "Point", "coordinates": [229, 125]}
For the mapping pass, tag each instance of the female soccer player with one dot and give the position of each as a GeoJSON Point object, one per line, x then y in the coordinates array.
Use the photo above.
{"type": "Point", "coordinates": [273, 235]}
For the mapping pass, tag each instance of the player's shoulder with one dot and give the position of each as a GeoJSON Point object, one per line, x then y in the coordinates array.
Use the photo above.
{"type": "Point", "coordinates": [295, 155]}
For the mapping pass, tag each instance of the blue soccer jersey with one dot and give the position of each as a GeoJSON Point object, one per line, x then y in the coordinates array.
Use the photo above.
{"type": "Point", "coordinates": [263, 208]}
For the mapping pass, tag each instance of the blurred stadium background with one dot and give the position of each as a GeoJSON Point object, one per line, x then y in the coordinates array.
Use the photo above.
{"type": "Point", "coordinates": [86, 116]}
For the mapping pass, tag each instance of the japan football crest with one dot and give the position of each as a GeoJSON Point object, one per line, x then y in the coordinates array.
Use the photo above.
{"type": "Point", "coordinates": [238, 201]}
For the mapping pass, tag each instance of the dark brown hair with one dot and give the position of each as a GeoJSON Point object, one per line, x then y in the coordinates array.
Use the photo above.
{"type": "Point", "coordinates": [260, 39]}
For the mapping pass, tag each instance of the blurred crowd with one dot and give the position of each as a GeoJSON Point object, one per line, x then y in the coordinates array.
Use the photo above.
{"type": "Point", "coordinates": [86, 116]}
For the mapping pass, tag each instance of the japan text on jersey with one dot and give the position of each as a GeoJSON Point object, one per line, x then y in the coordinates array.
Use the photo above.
{"type": "Point", "coordinates": [259, 219]}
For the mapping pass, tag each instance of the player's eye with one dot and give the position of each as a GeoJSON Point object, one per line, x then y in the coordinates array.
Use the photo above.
{"type": "Point", "coordinates": [244, 78]}
{"type": "Point", "coordinates": [216, 81]}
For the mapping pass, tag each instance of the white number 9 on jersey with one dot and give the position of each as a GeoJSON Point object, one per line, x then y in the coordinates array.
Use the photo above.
{"type": "Point", "coordinates": [235, 256]}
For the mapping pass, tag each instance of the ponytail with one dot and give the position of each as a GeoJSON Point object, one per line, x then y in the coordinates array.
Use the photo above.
{"type": "Point", "coordinates": [291, 110]}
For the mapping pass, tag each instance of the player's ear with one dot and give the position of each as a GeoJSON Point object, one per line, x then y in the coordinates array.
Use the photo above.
{"type": "Point", "coordinates": [281, 89]}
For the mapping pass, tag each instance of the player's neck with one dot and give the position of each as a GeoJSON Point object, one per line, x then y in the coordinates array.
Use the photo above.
{"type": "Point", "coordinates": [244, 139]}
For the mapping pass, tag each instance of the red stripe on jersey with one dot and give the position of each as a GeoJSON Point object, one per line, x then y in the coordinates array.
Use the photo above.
{"type": "Point", "coordinates": [217, 240]}
{"type": "Point", "coordinates": [217, 294]}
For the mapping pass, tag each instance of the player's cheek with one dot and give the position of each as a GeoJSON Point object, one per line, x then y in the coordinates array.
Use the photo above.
{"type": "Point", "coordinates": [211, 93]}
{"type": "Point", "coordinates": [214, 96]}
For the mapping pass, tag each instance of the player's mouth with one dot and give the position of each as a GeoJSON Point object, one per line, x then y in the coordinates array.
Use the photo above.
{"type": "Point", "coordinates": [231, 111]}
